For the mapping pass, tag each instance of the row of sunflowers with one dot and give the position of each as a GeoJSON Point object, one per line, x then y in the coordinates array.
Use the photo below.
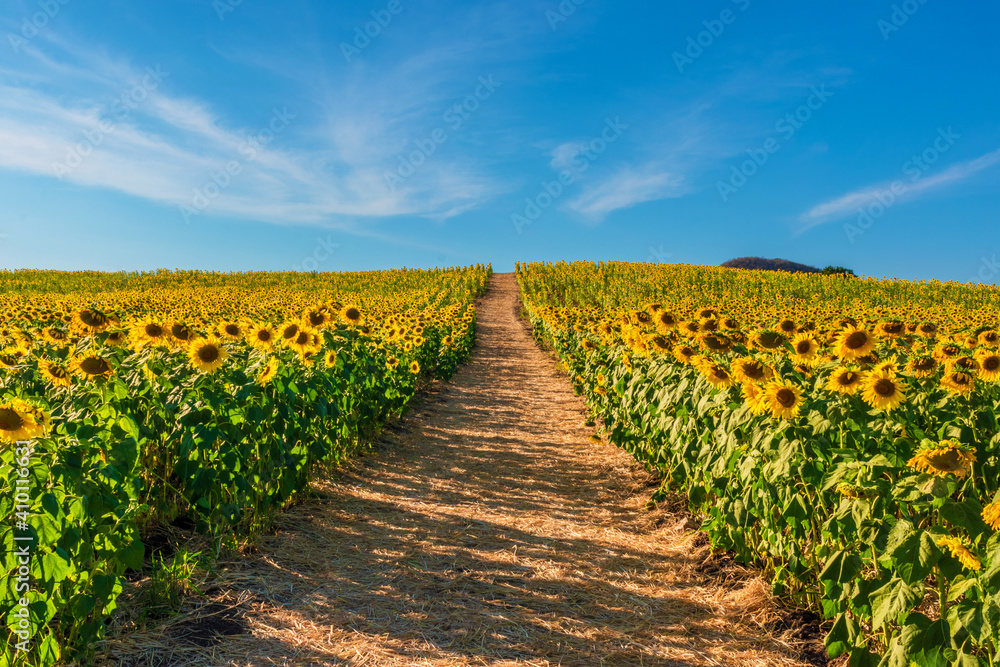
{"type": "Point", "coordinates": [842, 433]}
{"type": "Point", "coordinates": [188, 397]}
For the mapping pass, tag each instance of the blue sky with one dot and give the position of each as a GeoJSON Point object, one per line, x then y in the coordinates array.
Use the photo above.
{"type": "Point", "coordinates": [279, 136]}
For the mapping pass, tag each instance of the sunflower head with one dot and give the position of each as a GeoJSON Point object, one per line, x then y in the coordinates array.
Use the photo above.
{"type": "Point", "coordinates": [883, 390]}
{"type": "Point", "coordinates": [769, 340]}
{"type": "Point", "coordinates": [784, 399]}
{"type": "Point", "coordinates": [414, 367]}
{"type": "Point", "coordinates": [958, 550]}
{"type": "Point", "coordinates": [989, 366]}
{"type": "Point", "coordinates": [91, 367]}
{"type": "Point", "coordinates": [854, 343]}
{"type": "Point", "coordinates": [717, 375]}
{"type": "Point", "coordinates": [352, 315]}
{"type": "Point", "coordinates": [91, 320]}
{"type": "Point", "coordinates": [844, 381]}
{"type": "Point", "coordinates": [207, 354]}
{"type": "Point", "coordinates": [922, 367]}
{"type": "Point", "coordinates": [944, 458]}
{"type": "Point", "coordinates": [262, 337]}
{"type": "Point", "coordinates": [958, 383]}
{"type": "Point", "coordinates": [268, 372]}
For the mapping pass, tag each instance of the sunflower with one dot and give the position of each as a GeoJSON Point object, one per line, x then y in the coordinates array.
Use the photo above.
{"type": "Point", "coordinates": [90, 320]}
{"type": "Point", "coordinates": [684, 353]}
{"type": "Point", "coordinates": [17, 422]}
{"type": "Point", "coordinates": [768, 340]}
{"type": "Point", "coordinates": [588, 345]}
{"type": "Point", "coordinates": [805, 348]}
{"type": "Point", "coordinates": [91, 367]}
{"type": "Point", "coordinates": [844, 381]}
{"type": "Point", "coordinates": [958, 383]}
{"type": "Point", "coordinates": [54, 336]}
{"type": "Point", "coordinates": [54, 373]}
{"type": "Point", "coordinates": [784, 399]}
{"type": "Point", "coordinates": [991, 515]}
{"type": "Point", "coordinates": [853, 343]}
{"type": "Point", "coordinates": [922, 367]}
{"type": "Point", "coordinates": [989, 366]}
{"type": "Point", "coordinates": [890, 329]}
{"type": "Point", "coordinates": [989, 338]}
{"type": "Point", "coordinates": [756, 400]}
{"type": "Point", "coordinates": [288, 331]}
{"type": "Point", "coordinates": [888, 366]}
{"type": "Point", "coordinates": [414, 367]}
{"type": "Point", "coordinates": [316, 317]}
{"type": "Point", "coordinates": [149, 332]}
{"type": "Point", "coordinates": [659, 344]}
{"type": "Point", "coordinates": [748, 369]}
{"type": "Point", "coordinates": [717, 375]}
{"type": "Point", "coordinates": [665, 321]}
{"type": "Point", "coordinates": [927, 329]}
{"type": "Point", "coordinates": [961, 552]}
{"type": "Point", "coordinates": [689, 328]}
{"type": "Point", "coordinates": [716, 343]}
{"type": "Point", "coordinates": [352, 315]}
{"type": "Point", "coordinates": [180, 333]}
{"type": "Point", "coordinates": [233, 330]}
{"type": "Point", "coordinates": [268, 372]}
{"type": "Point", "coordinates": [392, 363]}
{"type": "Point", "coordinates": [330, 359]}
{"type": "Point", "coordinates": [117, 338]}
{"type": "Point", "coordinates": [262, 337]}
{"type": "Point", "coordinates": [963, 365]}
{"type": "Point", "coordinates": [787, 326]}
{"type": "Point", "coordinates": [946, 457]}
{"type": "Point", "coordinates": [207, 354]}
{"type": "Point", "coordinates": [883, 391]}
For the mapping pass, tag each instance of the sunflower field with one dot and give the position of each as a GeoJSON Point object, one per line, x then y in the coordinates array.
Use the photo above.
{"type": "Point", "coordinates": [840, 432]}
{"type": "Point", "coordinates": [129, 400]}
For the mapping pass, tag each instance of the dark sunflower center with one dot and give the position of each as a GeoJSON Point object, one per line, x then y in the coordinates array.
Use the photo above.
{"type": "Point", "coordinates": [58, 372]}
{"type": "Point", "coordinates": [720, 373]}
{"type": "Point", "coordinates": [667, 319]}
{"type": "Point", "coordinates": [925, 364]}
{"type": "Point", "coordinates": [949, 351]}
{"type": "Point", "coordinates": [961, 379]}
{"type": "Point", "coordinates": [786, 397]}
{"type": "Point", "coordinates": [847, 379]}
{"type": "Point", "coordinates": [10, 420]}
{"type": "Point", "coordinates": [264, 336]}
{"type": "Point", "coordinates": [928, 328]}
{"type": "Point", "coordinates": [209, 354]}
{"type": "Point", "coordinates": [754, 371]}
{"type": "Point", "coordinates": [232, 330]}
{"type": "Point", "coordinates": [56, 334]}
{"type": "Point", "coordinates": [803, 347]}
{"type": "Point", "coordinates": [353, 314]}
{"type": "Point", "coordinates": [153, 330]}
{"type": "Point", "coordinates": [893, 327]}
{"type": "Point", "coordinates": [710, 325]}
{"type": "Point", "coordinates": [885, 388]}
{"type": "Point", "coordinates": [856, 340]}
{"type": "Point", "coordinates": [94, 366]}
{"type": "Point", "coordinates": [771, 340]}
{"type": "Point", "coordinates": [92, 319]}
{"type": "Point", "coordinates": [316, 319]}
{"type": "Point", "coordinates": [643, 317]}
{"type": "Point", "coordinates": [290, 332]}
{"type": "Point", "coordinates": [787, 326]}
{"type": "Point", "coordinates": [991, 364]}
{"type": "Point", "coordinates": [180, 332]}
{"type": "Point", "coordinates": [302, 338]}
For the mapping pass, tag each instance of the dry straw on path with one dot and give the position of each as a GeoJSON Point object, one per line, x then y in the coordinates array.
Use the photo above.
{"type": "Point", "coordinates": [487, 531]}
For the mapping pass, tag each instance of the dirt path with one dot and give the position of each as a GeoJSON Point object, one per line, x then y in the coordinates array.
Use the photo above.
{"type": "Point", "coordinates": [488, 532]}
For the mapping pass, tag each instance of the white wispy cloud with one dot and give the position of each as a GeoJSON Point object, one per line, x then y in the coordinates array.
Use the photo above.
{"type": "Point", "coordinates": [627, 187]}
{"type": "Point", "coordinates": [326, 167]}
{"type": "Point", "coordinates": [848, 204]}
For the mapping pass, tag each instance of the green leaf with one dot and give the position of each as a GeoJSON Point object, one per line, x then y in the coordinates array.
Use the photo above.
{"type": "Point", "coordinates": [128, 425]}
{"type": "Point", "coordinates": [842, 636]}
{"type": "Point", "coordinates": [841, 567]}
{"type": "Point", "coordinates": [893, 600]}
{"type": "Point", "coordinates": [915, 557]}
{"type": "Point", "coordinates": [131, 556]}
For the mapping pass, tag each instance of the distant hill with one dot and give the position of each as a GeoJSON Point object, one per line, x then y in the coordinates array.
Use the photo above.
{"type": "Point", "coordinates": [761, 264]}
